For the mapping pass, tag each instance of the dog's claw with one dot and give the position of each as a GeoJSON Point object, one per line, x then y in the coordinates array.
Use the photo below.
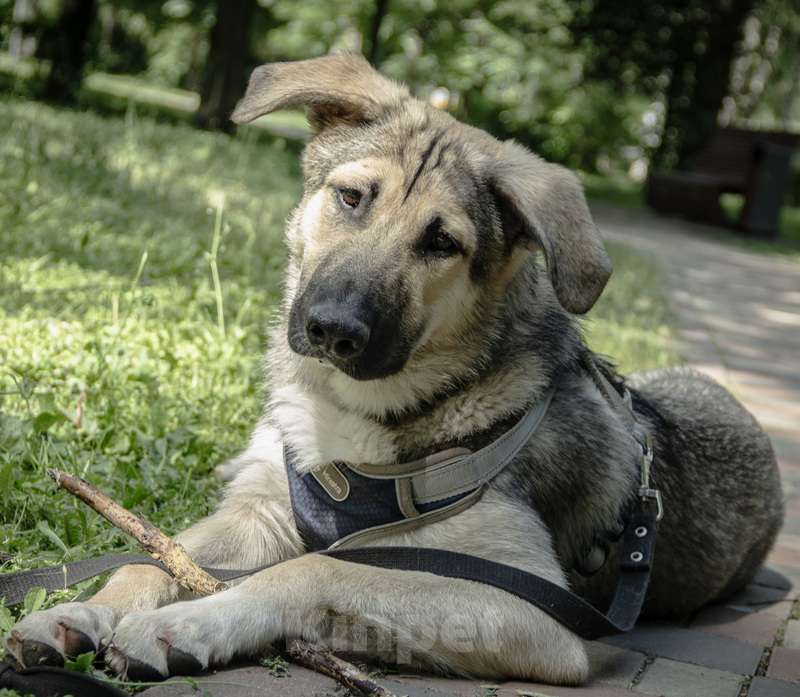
{"type": "Point", "coordinates": [182, 663]}
{"type": "Point", "coordinates": [77, 642]}
{"type": "Point", "coordinates": [139, 671]}
{"type": "Point", "coordinates": [37, 653]}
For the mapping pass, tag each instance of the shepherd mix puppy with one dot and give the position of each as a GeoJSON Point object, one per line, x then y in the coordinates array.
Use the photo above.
{"type": "Point", "coordinates": [432, 280]}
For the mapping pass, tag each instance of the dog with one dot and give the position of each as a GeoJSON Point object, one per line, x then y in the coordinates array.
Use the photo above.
{"type": "Point", "coordinates": [434, 278]}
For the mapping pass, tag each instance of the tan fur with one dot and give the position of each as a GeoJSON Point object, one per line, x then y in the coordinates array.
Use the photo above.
{"type": "Point", "coordinates": [551, 197]}
{"type": "Point", "coordinates": [341, 87]}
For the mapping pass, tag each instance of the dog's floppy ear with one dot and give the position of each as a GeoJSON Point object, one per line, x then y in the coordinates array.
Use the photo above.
{"type": "Point", "coordinates": [334, 89]}
{"type": "Point", "coordinates": [544, 204]}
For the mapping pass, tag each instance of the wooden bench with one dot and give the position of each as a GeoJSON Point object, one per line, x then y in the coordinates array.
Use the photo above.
{"type": "Point", "coordinates": [755, 164]}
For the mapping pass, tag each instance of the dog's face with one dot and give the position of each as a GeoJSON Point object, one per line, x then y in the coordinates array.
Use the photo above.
{"type": "Point", "coordinates": [386, 260]}
{"type": "Point", "coordinates": [412, 224]}
{"type": "Point", "coordinates": [396, 240]}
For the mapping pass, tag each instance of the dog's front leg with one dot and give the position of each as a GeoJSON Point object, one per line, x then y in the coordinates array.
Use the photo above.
{"type": "Point", "coordinates": [252, 527]}
{"type": "Point", "coordinates": [459, 625]}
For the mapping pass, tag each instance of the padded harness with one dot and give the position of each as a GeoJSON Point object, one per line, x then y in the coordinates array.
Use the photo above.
{"type": "Point", "coordinates": [341, 505]}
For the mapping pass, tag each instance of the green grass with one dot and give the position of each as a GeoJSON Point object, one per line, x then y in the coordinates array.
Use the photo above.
{"type": "Point", "coordinates": [618, 190]}
{"type": "Point", "coordinates": [631, 323]}
{"type": "Point", "coordinates": [108, 307]}
{"type": "Point", "coordinates": [107, 301]}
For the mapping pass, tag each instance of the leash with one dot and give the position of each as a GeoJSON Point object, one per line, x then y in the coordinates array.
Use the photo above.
{"type": "Point", "coordinates": [45, 681]}
{"type": "Point", "coordinates": [562, 605]}
{"type": "Point", "coordinates": [565, 607]}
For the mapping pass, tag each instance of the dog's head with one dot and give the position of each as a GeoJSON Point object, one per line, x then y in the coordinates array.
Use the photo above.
{"type": "Point", "coordinates": [412, 223]}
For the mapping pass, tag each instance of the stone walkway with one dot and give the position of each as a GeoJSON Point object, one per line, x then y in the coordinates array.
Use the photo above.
{"type": "Point", "coordinates": [738, 318]}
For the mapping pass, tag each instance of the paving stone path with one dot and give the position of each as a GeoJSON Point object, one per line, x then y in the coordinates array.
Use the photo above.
{"type": "Point", "coordinates": [738, 319]}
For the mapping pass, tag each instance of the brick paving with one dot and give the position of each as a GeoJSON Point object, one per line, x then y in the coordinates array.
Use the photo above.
{"type": "Point", "coordinates": [738, 319]}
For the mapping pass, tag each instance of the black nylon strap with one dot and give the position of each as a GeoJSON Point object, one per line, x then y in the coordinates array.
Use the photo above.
{"type": "Point", "coordinates": [562, 605]}
{"type": "Point", "coordinates": [44, 681]}
{"type": "Point", "coordinates": [14, 585]}
{"type": "Point", "coordinates": [565, 607]}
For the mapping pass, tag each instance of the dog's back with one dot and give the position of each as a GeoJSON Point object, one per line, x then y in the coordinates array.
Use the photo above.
{"type": "Point", "coordinates": [721, 488]}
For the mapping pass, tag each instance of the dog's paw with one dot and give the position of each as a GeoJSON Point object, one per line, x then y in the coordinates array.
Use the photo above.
{"type": "Point", "coordinates": [63, 631]}
{"type": "Point", "coordinates": [152, 645]}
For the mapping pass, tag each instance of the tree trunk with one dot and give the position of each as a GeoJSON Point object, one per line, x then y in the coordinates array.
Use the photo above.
{"type": "Point", "coordinates": [791, 95]}
{"type": "Point", "coordinates": [69, 50]}
{"type": "Point", "coordinates": [693, 103]}
{"type": "Point", "coordinates": [21, 40]}
{"type": "Point", "coordinates": [374, 41]}
{"type": "Point", "coordinates": [224, 79]}
{"type": "Point", "coordinates": [665, 155]}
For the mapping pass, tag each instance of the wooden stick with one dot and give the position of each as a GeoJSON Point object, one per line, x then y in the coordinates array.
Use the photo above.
{"type": "Point", "coordinates": [186, 572]}
{"type": "Point", "coordinates": [163, 548]}
{"type": "Point", "coordinates": [324, 661]}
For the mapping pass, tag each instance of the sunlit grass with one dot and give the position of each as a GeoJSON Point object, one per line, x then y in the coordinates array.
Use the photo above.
{"type": "Point", "coordinates": [631, 323]}
{"type": "Point", "coordinates": [107, 301]}
{"type": "Point", "coordinates": [120, 358]}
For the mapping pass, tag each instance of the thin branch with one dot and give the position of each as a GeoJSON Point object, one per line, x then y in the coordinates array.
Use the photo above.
{"type": "Point", "coordinates": [170, 553]}
{"type": "Point", "coordinates": [324, 661]}
{"type": "Point", "coordinates": [188, 574]}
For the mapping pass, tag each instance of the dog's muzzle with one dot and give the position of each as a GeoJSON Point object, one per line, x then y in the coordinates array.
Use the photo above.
{"type": "Point", "coordinates": [336, 333]}
{"type": "Point", "coordinates": [356, 330]}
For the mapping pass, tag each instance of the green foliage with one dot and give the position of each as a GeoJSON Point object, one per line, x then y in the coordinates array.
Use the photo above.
{"type": "Point", "coordinates": [34, 600]}
{"type": "Point", "coordinates": [696, 59]}
{"type": "Point", "coordinates": [766, 75]}
{"type": "Point", "coordinates": [510, 67]}
{"type": "Point", "coordinates": [277, 665]}
{"type": "Point", "coordinates": [6, 619]}
{"type": "Point", "coordinates": [594, 84]}
{"type": "Point", "coordinates": [82, 663]}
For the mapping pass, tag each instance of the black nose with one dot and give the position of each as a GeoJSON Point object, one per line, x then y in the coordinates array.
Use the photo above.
{"type": "Point", "coordinates": [336, 331]}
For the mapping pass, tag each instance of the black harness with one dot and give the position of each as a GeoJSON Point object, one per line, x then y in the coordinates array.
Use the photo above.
{"type": "Point", "coordinates": [324, 522]}
{"type": "Point", "coordinates": [341, 504]}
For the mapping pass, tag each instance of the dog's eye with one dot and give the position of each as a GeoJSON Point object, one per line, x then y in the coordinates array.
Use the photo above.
{"type": "Point", "coordinates": [436, 242]}
{"type": "Point", "coordinates": [350, 198]}
{"type": "Point", "coordinates": [443, 244]}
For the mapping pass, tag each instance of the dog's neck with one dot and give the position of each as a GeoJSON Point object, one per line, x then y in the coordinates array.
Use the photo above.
{"type": "Point", "coordinates": [465, 394]}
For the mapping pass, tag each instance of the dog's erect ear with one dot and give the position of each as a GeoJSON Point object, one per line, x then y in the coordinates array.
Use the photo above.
{"type": "Point", "coordinates": [544, 204]}
{"type": "Point", "coordinates": [334, 89]}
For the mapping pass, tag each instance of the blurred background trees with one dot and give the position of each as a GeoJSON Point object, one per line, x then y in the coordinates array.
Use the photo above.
{"type": "Point", "coordinates": [226, 62]}
{"type": "Point", "coordinates": [603, 85]}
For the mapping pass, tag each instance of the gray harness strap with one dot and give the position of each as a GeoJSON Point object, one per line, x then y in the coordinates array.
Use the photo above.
{"type": "Point", "coordinates": [341, 504]}
{"type": "Point", "coordinates": [457, 470]}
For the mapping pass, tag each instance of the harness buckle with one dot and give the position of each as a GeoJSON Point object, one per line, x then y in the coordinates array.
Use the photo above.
{"type": "Point", "coordinates": [646, 492]}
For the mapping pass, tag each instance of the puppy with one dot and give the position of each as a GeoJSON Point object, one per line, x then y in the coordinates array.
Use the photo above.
{"type": "Point", "coordinates": [433, 278]}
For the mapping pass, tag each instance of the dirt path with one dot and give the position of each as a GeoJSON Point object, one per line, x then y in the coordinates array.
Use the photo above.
{"type": "Point", "coordinates": [737, 314]}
